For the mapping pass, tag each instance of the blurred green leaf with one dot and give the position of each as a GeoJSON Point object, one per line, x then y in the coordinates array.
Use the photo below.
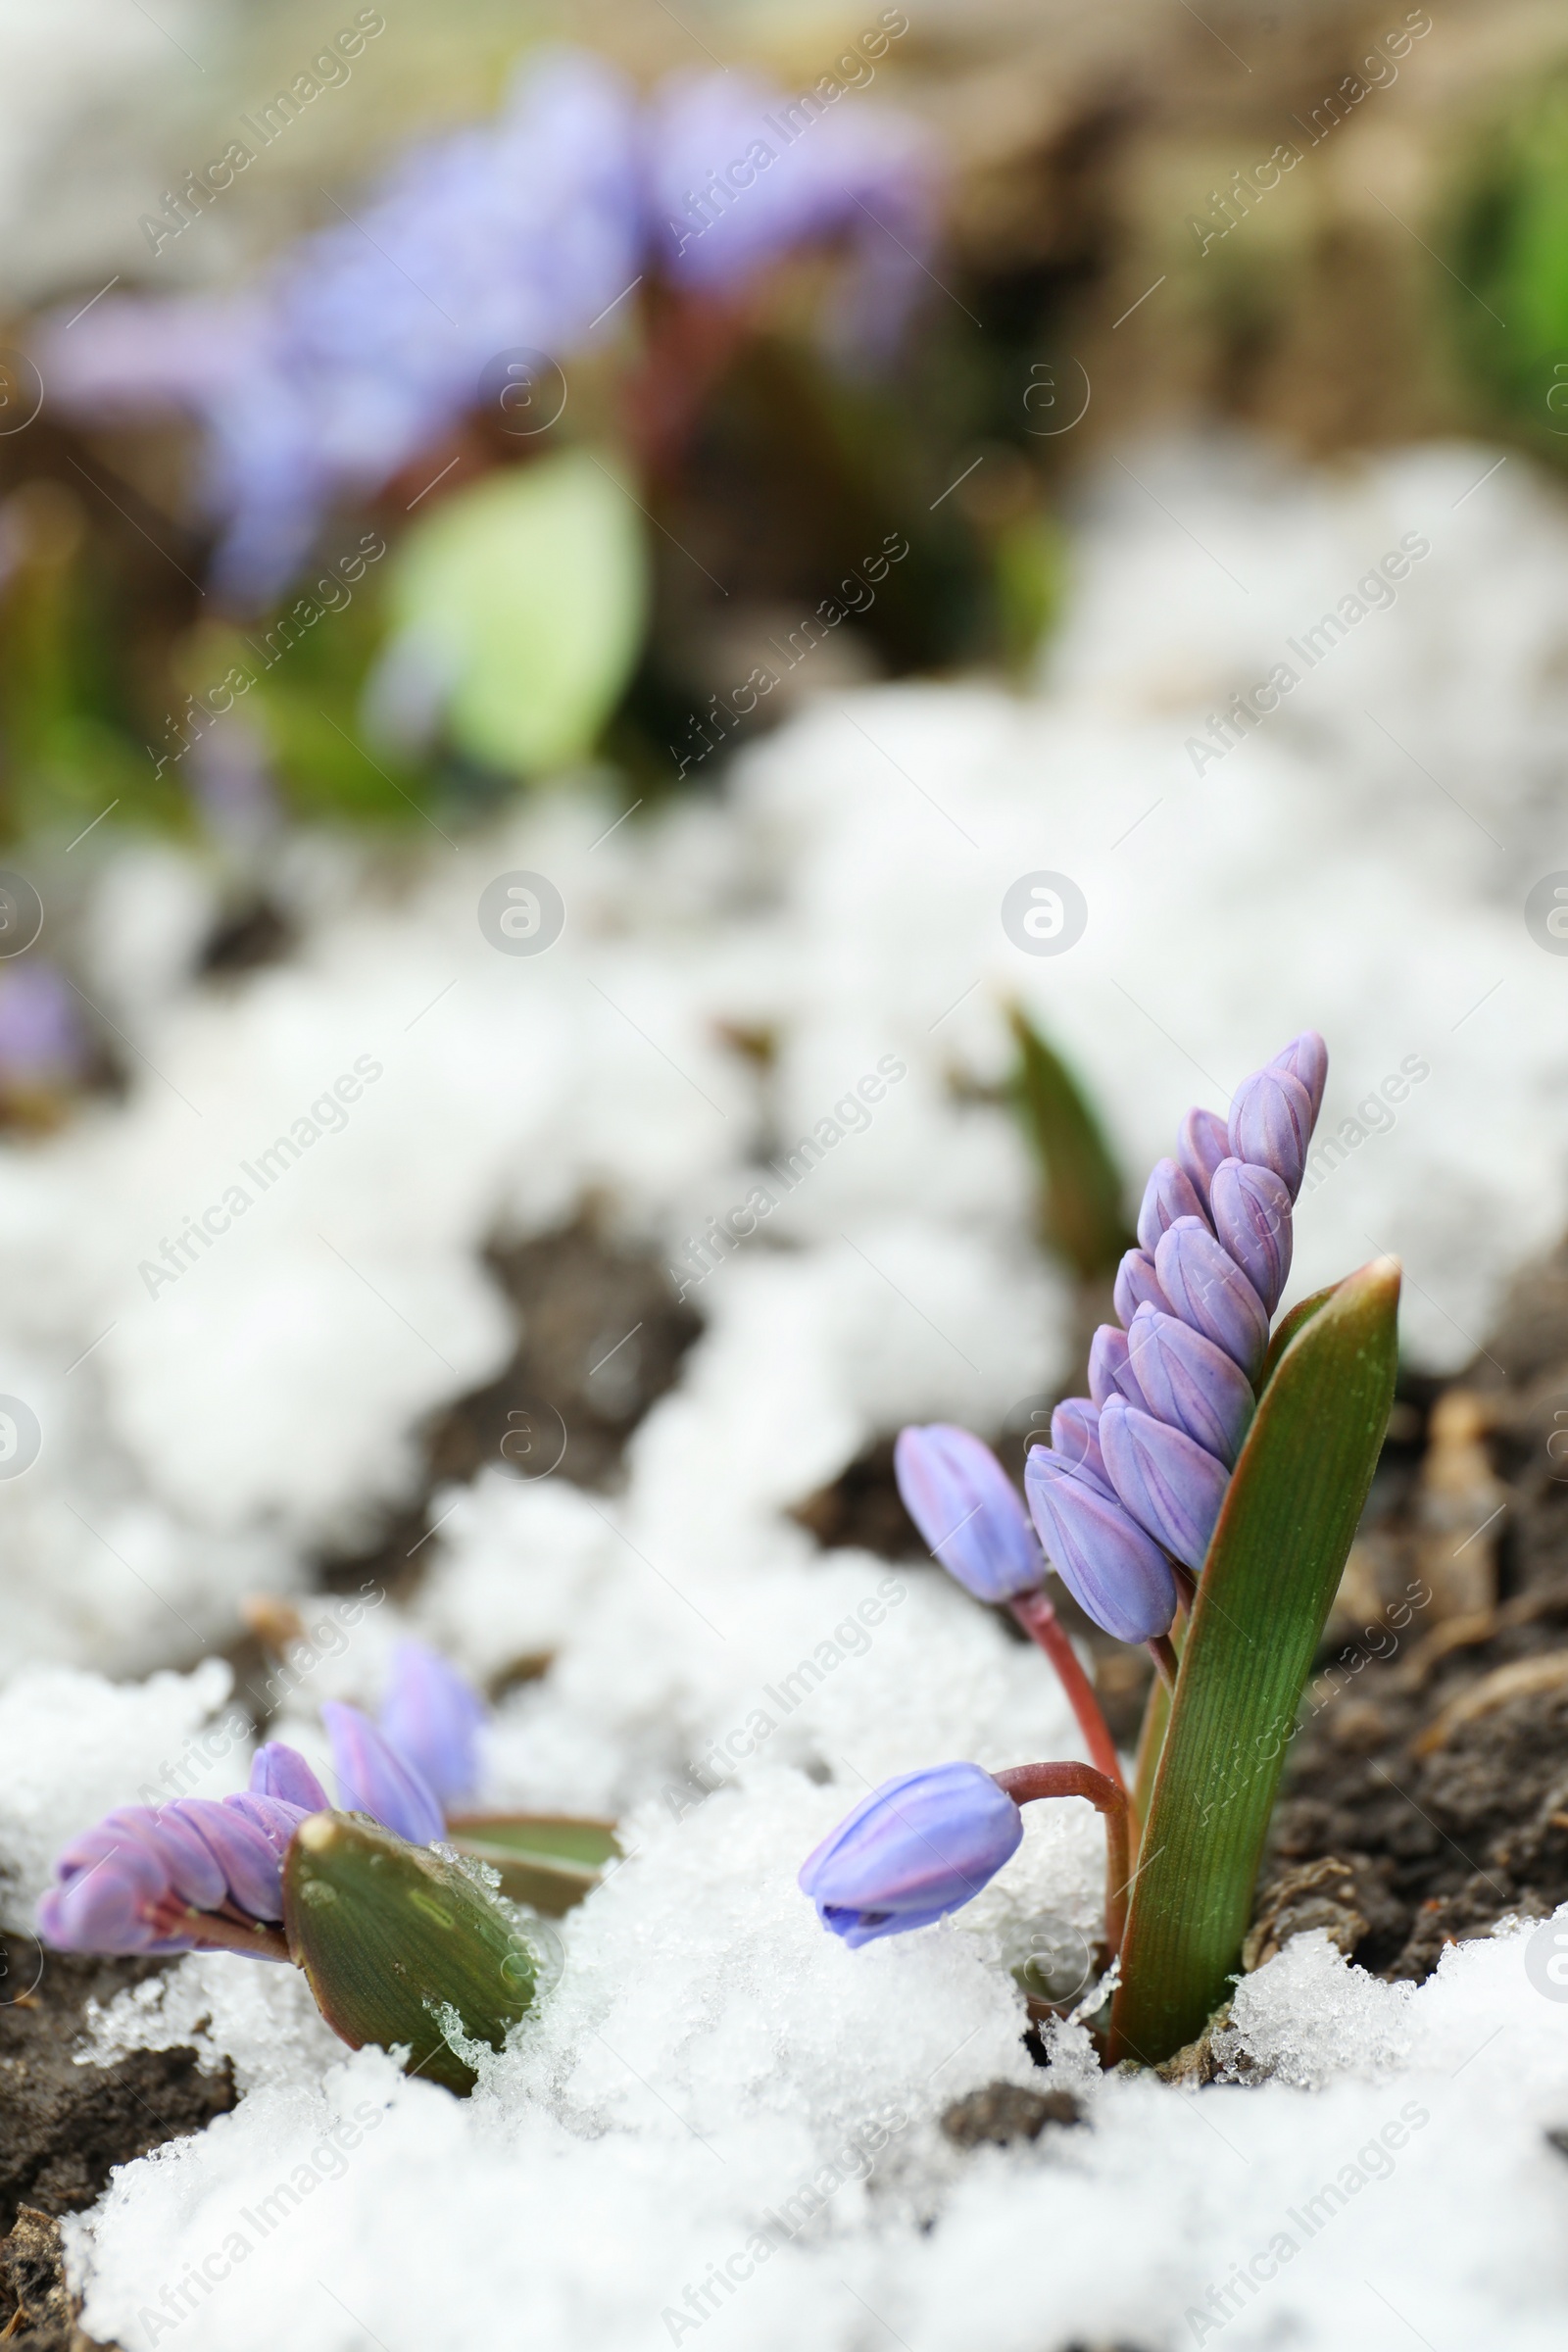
{"type": "Point", "coordinates": [1081, 1214]}
{"type": "Point", "coordinates": [526, 595]}
{"type": "Point", "coordinates": [1508, 300]}
{"type": "Point", "coordinates": [1272, 1571]}
{"type": "Point", "coordinates": [549, 1860]}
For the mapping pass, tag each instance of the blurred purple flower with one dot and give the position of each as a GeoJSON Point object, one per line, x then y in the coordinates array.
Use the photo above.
{"type": "Point", "coordinates": [373, 1778]}
{"type": "Point", "coordinates": [912, 1850]}
{"type": "Point", "coordinates": [433, 1716]}
{"type": "Point", "coordinates": [365, 342]}
{"type": "Point", "coordinates": [43, 1042]}
{"type": "Point", "coordinates": [968, 1511]}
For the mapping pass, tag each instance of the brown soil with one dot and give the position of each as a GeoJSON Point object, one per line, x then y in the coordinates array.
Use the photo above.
{"type": "Point", "coordinates": [64, 2126]}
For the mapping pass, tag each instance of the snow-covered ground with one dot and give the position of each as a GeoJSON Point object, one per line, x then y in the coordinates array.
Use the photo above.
{"type": "Point", "coordinates": [1360, 864]}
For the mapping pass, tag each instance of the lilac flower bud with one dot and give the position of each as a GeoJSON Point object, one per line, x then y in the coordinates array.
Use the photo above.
{"type": "Point", "coordinates": [912, 1850]}
{"type": "Point", "coordinates": [1111, 1568]}
{"type": "Point", "coordinates": [1306, 1058]}
{"type": "Point", "coordinates": [373, 1778]}
{"type": "Point", "coordinates": [1204, 1141]}
{"type": "Point", "coordinates": [1207, 1289]}
{"type": "Point", "coordinates": [110, 1888]}
{"type": "Point", "coordinates": [282, 1772]}
{"type": "Point", "coordinates": [276, 1821]}
{"type": "Point", "coordinates": [1109, 1373]}
{"type": "Point", "coordinates": [1271, 1124]}
{"type": "Point", "coordinates": [968, 1511]}
{"type": "Point", "coordinates": [1075, 1439]}
{"type": "Point", "coordinates": [1168, 1195]}
{"type": "Point", "coordinates": [432, 1715]}
{"type": "Point", "coordinates": [1168, 1482]}
{"type": "Point", "coordinates": [1138, 1285]}
{"type": "Point", "coordinates": [1190, 1383]}
{"type": "Point", "coordinates": [251, 1864]}
{"type": "Point", "coordinates": [183, 1855]}
{"type": "Point", "coordinates": [1252, 1212]}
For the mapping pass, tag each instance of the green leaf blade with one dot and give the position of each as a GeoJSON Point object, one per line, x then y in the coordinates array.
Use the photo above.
{"type": "Point", "coordinates": [549, 1860]}
{"type": "Point", "coordinates": [1081, 1211]}
{"type": "Point", "coordinates": [1272, 1570]}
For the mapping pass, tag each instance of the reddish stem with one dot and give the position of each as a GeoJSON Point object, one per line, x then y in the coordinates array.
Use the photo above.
{"type": "Point", "coordinates": [1164, 1652]}
{"type": "Point", "coordinates": [1024, 1783]}
{"type": "Point", "coordinates": [212, 1931]}
{"type": "Point", "coordinates": [1041, 1623]}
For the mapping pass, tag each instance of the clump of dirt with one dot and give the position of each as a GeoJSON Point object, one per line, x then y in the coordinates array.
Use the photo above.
{"type": "Point", "coordinates": [35, 2296]}
{"type": "Point", "coordinates": [64, 2126]}
{"type": "Point", "coordinates": [1000, 2113]}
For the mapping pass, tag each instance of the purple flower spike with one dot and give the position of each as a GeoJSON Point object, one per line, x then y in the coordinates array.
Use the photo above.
{"type": "Point", "coordinates": [373, 1778]}
{"type": "Point", "coordinates": [1138, 1285]}
{"type": "Point", "coordinates": [1190, 1384]}
{"type": "Point", "coordinates": [282, 1772]}
{"type": "Point", "coordinates": [1271, 1124]}
{"type": "Point", "coordinates": [433, 1715]}
{"type": "Point", "coordinates": [1164, 1478]}
{"type": "Point", "coordinates": [1168, 1195]}
{"type": "Point", "coordinates": [1252, 1212]}
{"type": "Point", "coordinates": [1109, 1372]}
{"type": "Point", "coordinates": [251, 1864]}
{"type": "Point", "coordinates": [912, 1850]}
{"type": "Point", "coordinates": [1075, 1439]}
{"type": "Point", "coordinates": [1207, 1289]}
{"type": "Point", "coordinates": [1115, 1572]}
{"type": "Point", "coordinates": [1204, 1141]}
{"type": "Point", "coordinates": [1306, 1058]}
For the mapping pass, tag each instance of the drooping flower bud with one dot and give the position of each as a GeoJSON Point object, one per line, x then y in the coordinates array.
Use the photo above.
{"type": "Point", "coordinates": [174, 1879]}
{"type": "Point", "coordinates": [1207, 1289]}
{"type": "Point", "coordinates": [1138, 1285]}
{"type": "Point", "coordinates": [1190, 1383]}
{"type": "Point", "coordinates": [373, 1778]}
{"type": "Point", "coordinates": [1251, 1208]}
{"type": "Point", "coordinates": [1115, 1572]}
{"type": "Point", "coordinates": [1306, 1058]}
{"type": "Point", "coordinates": [1171, 1487]}
{"type": "Point", "coordinates": [1109, 1372]}
{"type": "Point", "coordinates": [432, 1715]}
{"type": "Point", "coordinates": [1204, 1141]}
{"type": "Point", "coordinates": [397, 1942]}
{"type": "Point", "coordinates": [280, 1771]}
{"type": "Point", "coordinates": [1271, 1124]}
{"type": "Point", "coordinates": [1075, 1440]}
{"type": "Point", "coordinates": [968, 1511]}
{"type": "Point", "coordinates": [912, 1850]}
{"type": "Point", "coordinates": [1168, 1195]}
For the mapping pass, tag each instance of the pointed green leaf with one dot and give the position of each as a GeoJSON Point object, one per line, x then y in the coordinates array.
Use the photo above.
{"type": "Point", "coordinates": [549, 1860]}
{"type": "Point", "coordinates": [391, 1935]}
{"type": "Point", "coordinates": [527, 593]}
{"type": "Point", "coordinates": [1272, 1571]}
{"type": "Point", "coordinates": [1081, 1213]}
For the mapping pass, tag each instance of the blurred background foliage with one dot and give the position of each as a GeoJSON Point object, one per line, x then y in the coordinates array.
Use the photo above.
{"type": "Point", "coordinates": [832, 445]}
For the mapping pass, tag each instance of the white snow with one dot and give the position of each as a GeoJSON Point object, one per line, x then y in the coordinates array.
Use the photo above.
{"type": "Point", "coordinates": [708, 2050]}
